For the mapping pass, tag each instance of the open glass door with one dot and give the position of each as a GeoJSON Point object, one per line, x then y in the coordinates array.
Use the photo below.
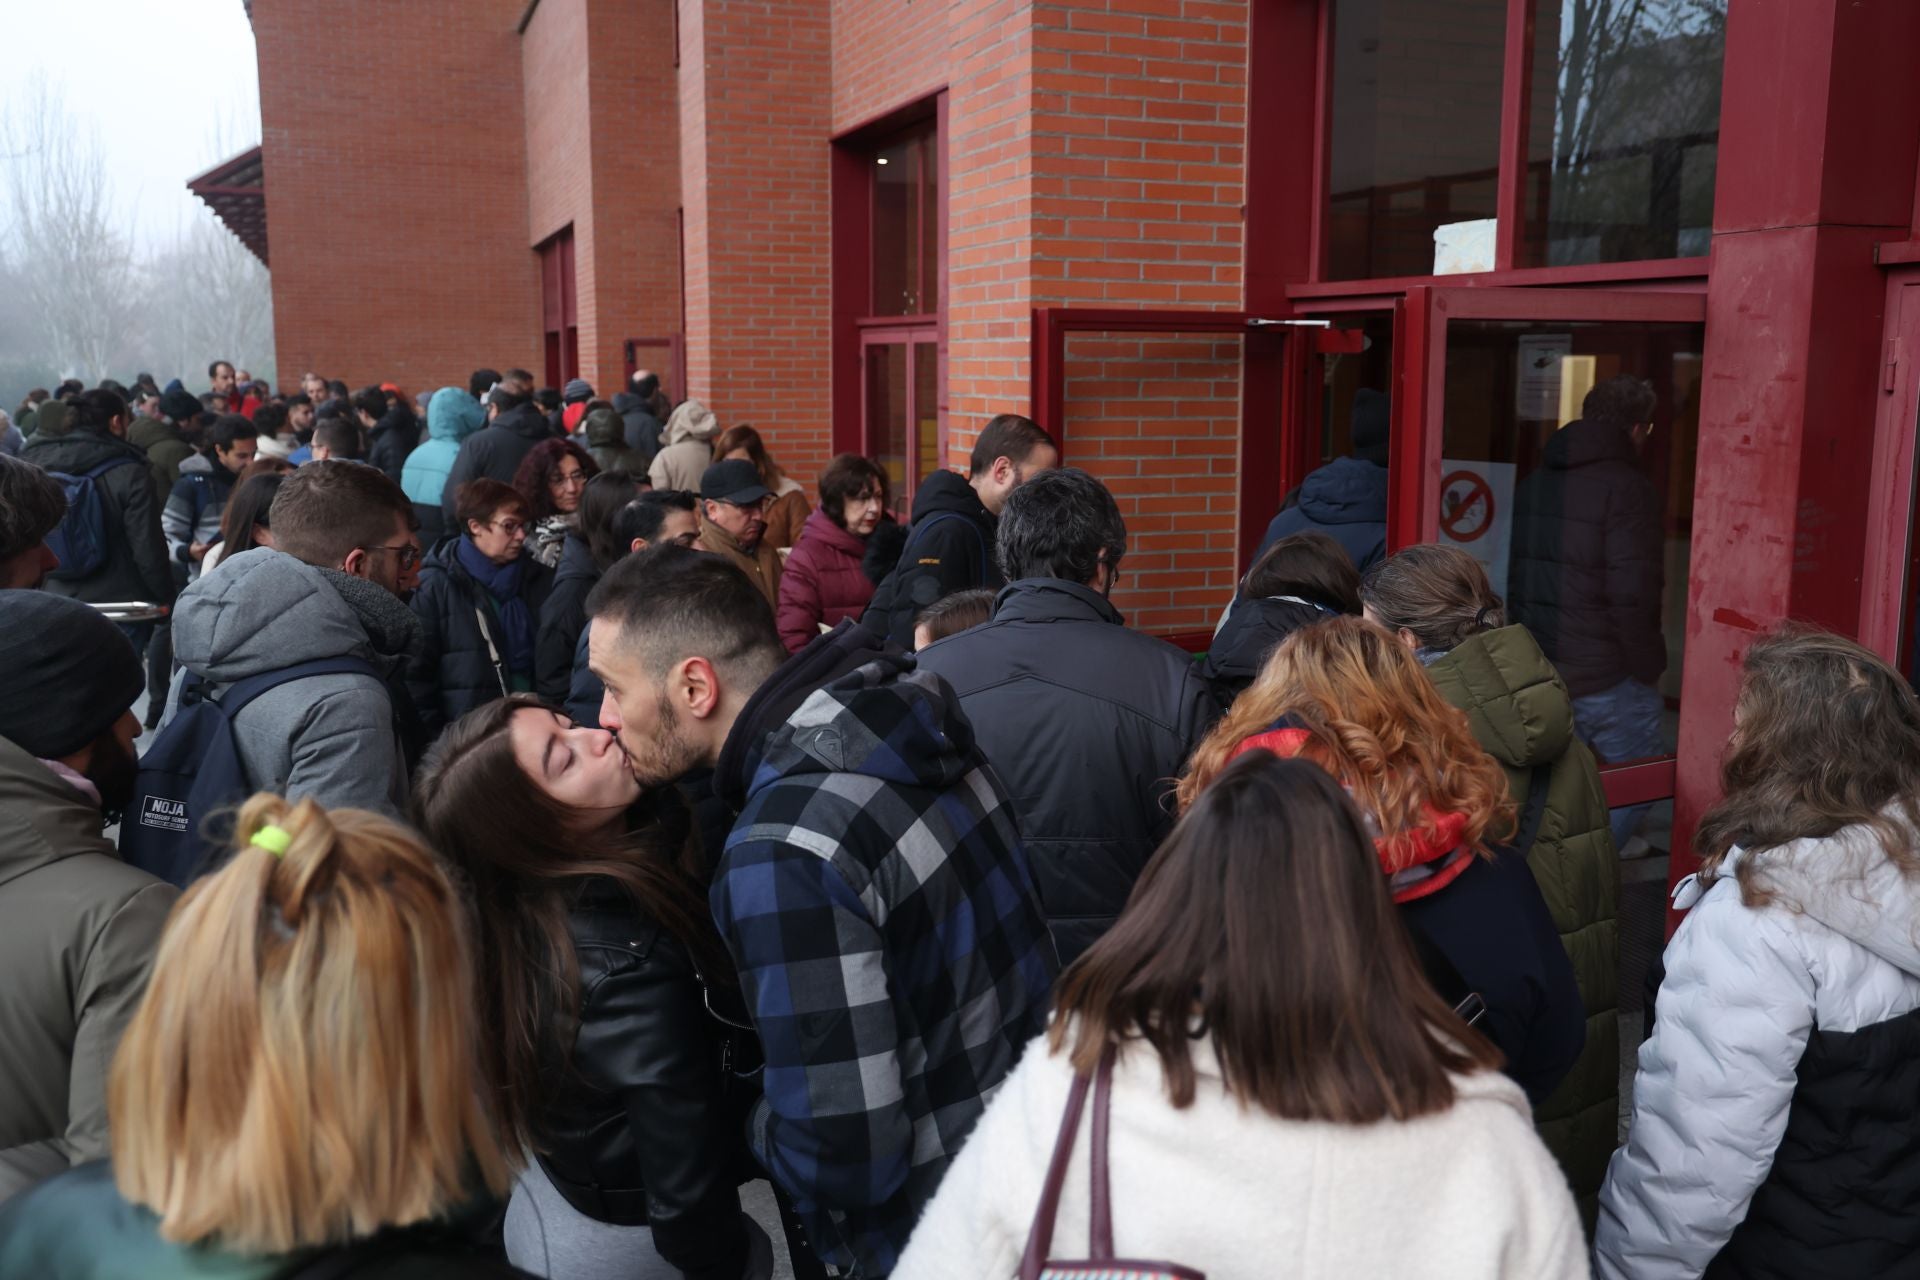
{"type": "Point", "coordinates": [1584, 520]}
{"type": "Point", "coordinates": [900, 406]}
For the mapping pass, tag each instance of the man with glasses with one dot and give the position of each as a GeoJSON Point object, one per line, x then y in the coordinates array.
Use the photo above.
{"type": "Point", "coordinates": [324, 607]}
{"type": "Point", "coordinates": [733, 523]}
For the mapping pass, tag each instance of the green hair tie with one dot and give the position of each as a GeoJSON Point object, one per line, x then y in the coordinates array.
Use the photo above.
{"type": "Point", "coordinates": [275, 840]}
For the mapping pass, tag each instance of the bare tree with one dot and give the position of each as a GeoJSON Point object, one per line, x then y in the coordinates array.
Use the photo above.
{"type": "Point", "coordinates": [209, 298]}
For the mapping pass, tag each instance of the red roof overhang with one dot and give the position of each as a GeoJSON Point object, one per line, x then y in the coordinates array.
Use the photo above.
{"type": "Point", "coordinates": [236, 191]}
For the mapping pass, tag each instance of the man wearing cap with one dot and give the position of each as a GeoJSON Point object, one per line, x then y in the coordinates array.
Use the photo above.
{"type": "Point", "coordinates": [733, 522]}
{"type": "Point", "coordinates": [78, 927]}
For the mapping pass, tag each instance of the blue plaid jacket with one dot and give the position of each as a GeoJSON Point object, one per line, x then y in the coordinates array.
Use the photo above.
{"type": "Point", "coordinates": [890, 942]}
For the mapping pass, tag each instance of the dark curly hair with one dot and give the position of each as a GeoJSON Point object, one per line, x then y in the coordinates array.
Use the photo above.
{"type": "Point", "coordinates": [538, 467]}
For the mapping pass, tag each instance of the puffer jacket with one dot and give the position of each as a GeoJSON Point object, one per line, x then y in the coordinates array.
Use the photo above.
{"type": "Point", "coordinates": [461, 663]}
{"type": "Point", "coordinates": [822, 582]}
{"type": "Point", "coordinates": [337, 738]}
{"type": "Point", "coordinates": [563, 619]}
{"type": "Point", "coordinates": [607, 443]}
{"type": "Point", "coordinates": [1252, 631]}
{"type": "Point", "coordinates": [136, 565]}
{"type": "Point", "coordinates": [452, 416]}
{"type": "Point", "coordinates": [1520, 713]}
{"type": "Point", "coordinates": [78, 928]}
{"type": "Point", "coordinates": [1087, 724]}
{"type": "Point", "coordinates": [1347, 501]}
{"type": "Point", "coordinates": [686, 447]}
{"type": "Point", "coordinates": [1774, 1126]}
{"type": "Point", "coordinates": [1587, 574]}
{"type": "Point", "coordinates": [494, 451]}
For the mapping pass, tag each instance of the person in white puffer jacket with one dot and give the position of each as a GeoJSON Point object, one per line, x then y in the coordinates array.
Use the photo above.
{"type": "Point", "coordinates": [1776, 1127]}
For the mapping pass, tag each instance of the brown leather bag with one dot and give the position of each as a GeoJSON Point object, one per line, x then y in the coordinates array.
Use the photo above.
{"type": "Point", "coordinates": [1100, 1264]}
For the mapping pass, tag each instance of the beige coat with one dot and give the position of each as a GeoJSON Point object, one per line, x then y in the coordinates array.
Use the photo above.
{"type": "Point", "coordinates": [686, 448]}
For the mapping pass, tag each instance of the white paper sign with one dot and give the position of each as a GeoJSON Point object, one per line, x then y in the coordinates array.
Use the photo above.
{"type": "Point", "coordinates": [1536, 390]}
{"type": "Point", "coordinates": [1476, 513]}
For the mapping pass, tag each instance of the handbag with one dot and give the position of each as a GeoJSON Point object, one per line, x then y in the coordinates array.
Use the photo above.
{"type": "Point", "coordinates": [1100, 1264]}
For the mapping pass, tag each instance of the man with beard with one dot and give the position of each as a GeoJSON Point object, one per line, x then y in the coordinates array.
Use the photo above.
{"type": "Point", "coordinates": [874, 893]}
{"type": "Point", "coordinates": [78, 927]}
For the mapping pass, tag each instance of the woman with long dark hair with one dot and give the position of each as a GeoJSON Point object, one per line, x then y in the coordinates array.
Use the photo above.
{"type": "Point", "coordinates": [1302, 579]}
{"type": "Point", "coordinates": [553, 480]}
{"type": "Point", "coordinates": [244, 523]}
{"type": "Point", "coordinates": [599, 968]}
{"type": "Point", "coordinates": [1774, 1126]}
{"type": "Point", "coordinates": [590, 549]}
{"type": "Point", "coordinates": [1288, 1096]}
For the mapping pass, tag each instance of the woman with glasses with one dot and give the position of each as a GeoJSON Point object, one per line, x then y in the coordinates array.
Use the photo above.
{"type": "Point", "coordinates": [479, 608]}
{"type": "Point", "coordinates": [553, 478]}
{"type": "Point", "coordinates": [600, 975]}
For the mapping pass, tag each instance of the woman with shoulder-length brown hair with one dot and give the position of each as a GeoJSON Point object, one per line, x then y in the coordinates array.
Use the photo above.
{"type": "Point", "coordinates": [787, 513]}
{"type": "Point", "coordinates": [298, 1082]}
{"type": "Point", "coordinates": [1350, 698]}
{"type": "Point", "coordinates": [1774, 1127]}
{"type": "Point", "coordinates": [599, 970]}
{"type": "Point", "coordinates": [1288, 1095]}
{"type": "Point", "coordinates": [1302, 579]}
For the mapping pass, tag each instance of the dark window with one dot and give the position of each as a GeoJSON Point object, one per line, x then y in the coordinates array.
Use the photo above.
{"type": "Point", "coordinates": [906, 226]}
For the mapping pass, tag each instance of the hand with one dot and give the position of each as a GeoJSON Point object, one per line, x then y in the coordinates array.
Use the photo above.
{"type": "Point", "coordinates": [198, 551]}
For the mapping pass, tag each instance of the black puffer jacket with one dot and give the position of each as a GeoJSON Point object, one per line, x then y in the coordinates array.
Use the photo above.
{"type": "Point", "coordinates": [136, 566]}
{"type": "Point", "coordinates": [562, 618]}
{"type": "Point", "coordinates": [646, 1124]}
{"type": "Point", "coordinates": [641, 427]}
{"type": "Point", "coordinates": [395, 436]}
{"type": "Point", "coordinates": [495, 451]}
{"type": "Point", "coordinates": [1087, 724]}
{"type": "Point", "coordinates": [949, 548]}
{"type": "Point", "coordinates": [1253, 631]}
{"type": "Point", "coordinates": [456, 670]}
{"type": "Point", "coordinates": [1587, 572]}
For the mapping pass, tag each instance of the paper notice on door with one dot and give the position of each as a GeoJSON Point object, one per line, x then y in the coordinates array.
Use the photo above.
{"type": "Point", "coordinates": [1537, 378]}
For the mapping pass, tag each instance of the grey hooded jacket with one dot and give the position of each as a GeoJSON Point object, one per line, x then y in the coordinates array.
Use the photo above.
{"type": "Point", "coordinates": [332, 737]}
{"type": "Point", "coordinates": [78, 928]}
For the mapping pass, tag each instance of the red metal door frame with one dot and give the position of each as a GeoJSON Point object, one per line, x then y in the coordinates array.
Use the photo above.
{"type": "Point", "coordinates": [1885, 586]}
{"type": "Point", "coordinates": [1413, 479]}
{"type": "Point", "coordinates": [924, 331]}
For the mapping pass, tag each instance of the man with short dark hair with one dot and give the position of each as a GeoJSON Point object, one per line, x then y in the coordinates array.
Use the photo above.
{"type": "Point", "coordinates": [331, 587]}
{"type": "Point", "coordinates": [874, 893]}
{"type": "Point", "coordinates": [1087, 722]}
{"type": "Point", "coordinates": [133, 564]}
{"type": "Point", "coordinates": [658, 518]}
{"type": "Point", "coordinates": [31, 506]}
{"type": "Point", "coordinates": [337, 439]}
{"type": "Point", "coordinates": [733, 522]}
{"type": "Point", "coordinates": [949, 547]}
{"type": "Point", "coordinates": [514, 426]}
{"type": "Point", "coordinates": [390, 426]}
{"type": "Point", "coordinates": [192, 516]}
{"type": "Point", "coordinates": [480, 382]}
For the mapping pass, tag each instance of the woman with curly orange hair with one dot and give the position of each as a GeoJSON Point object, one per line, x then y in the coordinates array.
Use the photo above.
{"type": "Point", "coordinates": [1349, 697]}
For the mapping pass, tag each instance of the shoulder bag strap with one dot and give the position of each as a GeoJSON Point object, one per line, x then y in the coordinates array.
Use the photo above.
{"type": "Point", "coordinates": [1040, 1238]}
{"type": "Point", "coordinates": [1101, 1233]}
{"type": "Point", "coordinates": [1535, 808]}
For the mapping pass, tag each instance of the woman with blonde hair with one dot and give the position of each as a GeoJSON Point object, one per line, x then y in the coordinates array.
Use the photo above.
{"type": "Point", "coordinates": [298, 1086]}
{"type": "Point", "coordinates": [1347, 696]}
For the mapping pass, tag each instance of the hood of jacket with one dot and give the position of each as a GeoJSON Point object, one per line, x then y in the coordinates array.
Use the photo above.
{"type": "Point", "coordinates": [691, 420]}
{"type": "Point", "coordinates": [1847, 883]}
{"type": "Point", "coordinates": [847, 704]}
{"type": "Point", "coordinates": [524, 420]}
{"type": "Point", "coordinates": [263, 611]}
{"type": "Point", "coordinates": [605, 429]}
{"type": "Point", "coordinates": [453, 415]}
{"type": "Point", "coordinates": [1345, 491]}
{"type": "Point", "coordinates": [1518, 706]}
{"type": "Point", "coordinates": [42, 818]}
{"type": "Point", "coordinates": [949, 491]}
{"type": "Point", "coordinates": [76, 451]}
{"type": "Point", "coordinates": [1581, 443]}
{"type": "Point", "coordinates": [819, 527]}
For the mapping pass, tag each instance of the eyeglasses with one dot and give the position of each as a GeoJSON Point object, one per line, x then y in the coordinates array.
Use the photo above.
{"type": "Point", "coordinates": [409, 554]}
{"type": "Point", "coordinates": [508, 527]}
{"type": "Point", "coordinates": [567, 479]}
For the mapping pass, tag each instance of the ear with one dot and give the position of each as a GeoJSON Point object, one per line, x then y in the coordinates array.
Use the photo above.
{"type": "Point", "coordinates": [638, 544]}
{"type": "Point", "coordinates": [356, 563]}
{"type": "Point", "coordinates": [1003, 471]}
{"type": "Point", "coordinates": [696, 686]}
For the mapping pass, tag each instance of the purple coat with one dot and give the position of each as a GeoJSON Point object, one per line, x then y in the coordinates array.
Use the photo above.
{"type": "Point", "coordinates": [822, 582]}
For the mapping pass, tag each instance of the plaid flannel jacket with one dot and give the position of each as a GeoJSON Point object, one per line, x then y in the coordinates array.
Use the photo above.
{"type": "Point", "coordinates": [890, 942]}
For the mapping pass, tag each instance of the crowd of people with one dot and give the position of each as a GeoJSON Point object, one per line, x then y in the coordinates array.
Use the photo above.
{"type": "Point", "coordinates": [557, 818]}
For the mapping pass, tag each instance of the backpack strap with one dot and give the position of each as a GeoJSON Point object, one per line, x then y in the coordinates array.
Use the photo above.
{"type": "Point", "coordinates": [241, 692]}
{"type": "Point", "coordinates": [94, 473]}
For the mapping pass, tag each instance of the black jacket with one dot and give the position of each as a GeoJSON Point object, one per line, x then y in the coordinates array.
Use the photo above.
{"type": "Point", "coordinates": [1347, 501]}
{"type": "Point", "coordinates": [642, 428]}
{"type": "Point", "coordinates": [494, 451]}
{"type": "Point", "coordinates": [1254, 629]}
{"type": "Point", "coordinates": [394, 437]}
{"type": "Point", "coordinates": [1086, 724]}
{"type": "Point", "coordinates": [949, 548]}
{"type": "Point", "coordinates": [562, 619]}
{"type": "Point", "coordinates": [455, 670]}
{"type": "Point", "coordinates": [645, 1124]}
{"type": "Point", "coordinates": [136, 565]}
{"type": "Point", "coordinates": [1587, 571]}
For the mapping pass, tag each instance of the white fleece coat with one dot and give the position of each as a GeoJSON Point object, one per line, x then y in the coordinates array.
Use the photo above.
{"type": "Point", "coordinates": [1241, 1195]}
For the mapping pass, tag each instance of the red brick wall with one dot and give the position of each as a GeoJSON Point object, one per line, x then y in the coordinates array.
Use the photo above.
{"type": "Point", "coordinates": [395, 195]}
{"type": "Point", "coordinates": [886, 54]}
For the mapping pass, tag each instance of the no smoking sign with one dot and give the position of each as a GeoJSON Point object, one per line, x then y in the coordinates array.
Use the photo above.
{"type": "Point", "coordinates": [1466, 506]}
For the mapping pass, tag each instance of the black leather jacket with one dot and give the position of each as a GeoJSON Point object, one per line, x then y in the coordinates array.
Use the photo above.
{"type": "Point", "coordinates": [646, 1121]}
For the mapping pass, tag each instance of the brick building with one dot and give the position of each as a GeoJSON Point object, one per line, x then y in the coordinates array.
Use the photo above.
{"type": "Point", "coordinates": [1182, 234]}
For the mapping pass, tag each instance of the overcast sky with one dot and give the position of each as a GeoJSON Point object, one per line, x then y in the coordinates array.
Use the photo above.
{"type": "Point", "coordinates": [171, 86]}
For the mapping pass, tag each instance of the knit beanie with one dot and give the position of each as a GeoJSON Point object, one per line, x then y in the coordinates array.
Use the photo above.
{"type": "Point", "coordinates": [69, 673]}
{"type": "Point", "coordinates": [576, 391]}
{"type": "Point", "coordinates": [181, 406]}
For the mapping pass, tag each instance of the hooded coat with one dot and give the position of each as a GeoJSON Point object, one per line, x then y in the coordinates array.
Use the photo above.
{"type": "Point", "coordinates": [1587, 574]}
{"type": "Point", "coordinates": [336, 738]}
{"type": "Point", "coordinates": [136, 566]}
{"type": "Point", "coordinates": [1252, 631]}
{"type": "Point", "coordinates": [822, 582]}
{"type": "Point", "coordinates": [686, 448]}
{"type": "Point", "coordinates": [869, 822]}
{"type": "Point", "coordinates": [78, 928]}
{"type": "Point", "coordinates": [1347, 501]}
{"type": "Point", "coordinates": [1774, 1126]}
{"type": "Point", "coordinates": [166, 449]}
{"type": "Point", "coordinates": [607, 443]}
{"type": "Point", "coordinates": [1087, 725]}
{"type": "Point", "coordinates": [949, 548]}
{"type": "Point", "coordinates": [452, 416]}
{"type": "Point", "coordinates": [1520, 713]}
{"type": "Point", "coordinates": [461, 663]}
{"type": "Point", "coordinates": [642, 429]}
{"type": "Point", "coordinates": [494, 451]}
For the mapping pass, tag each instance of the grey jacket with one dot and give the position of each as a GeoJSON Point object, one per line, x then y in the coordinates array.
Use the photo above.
{"type": "Point", "coordinates": [78, 928]}
{"type": "Point", "coordinates": [332, 737]}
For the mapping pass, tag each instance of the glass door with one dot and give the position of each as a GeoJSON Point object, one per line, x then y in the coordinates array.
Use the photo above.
{"type": "Point", "coordinates": [900, 406]}
{"type": "Point", "coordinates": [1553, 435]}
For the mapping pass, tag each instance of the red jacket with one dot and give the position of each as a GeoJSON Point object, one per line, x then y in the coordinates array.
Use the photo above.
{"type": "Point", "coordinates": [822, 581]}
